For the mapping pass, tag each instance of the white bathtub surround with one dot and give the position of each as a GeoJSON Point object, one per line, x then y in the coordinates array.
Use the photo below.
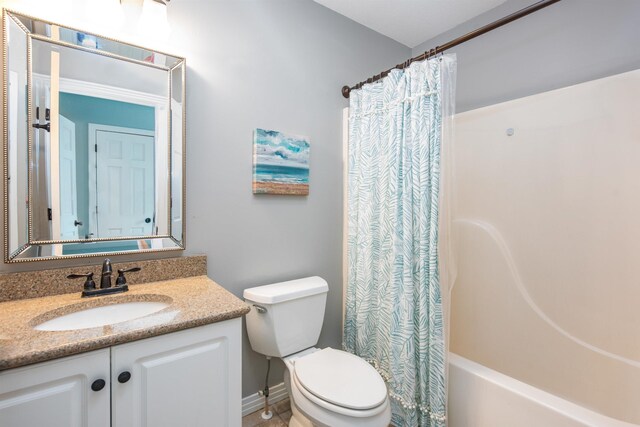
{"type": "Point", "coordinates": [482, 397]}
{"type": "Point", "coordinates": [397, 224]}
{"type": "Point", "coordinates": [547, 237]}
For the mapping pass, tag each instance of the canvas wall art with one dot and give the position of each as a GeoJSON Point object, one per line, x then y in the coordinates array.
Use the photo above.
{"type": "Point", "coordinates": [280, 163]}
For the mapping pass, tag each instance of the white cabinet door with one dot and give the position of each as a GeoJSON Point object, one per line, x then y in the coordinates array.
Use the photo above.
{"type": "Point", "coordinates": [187, 378]}
{"type": "Point", "coordinates": [57, 393]}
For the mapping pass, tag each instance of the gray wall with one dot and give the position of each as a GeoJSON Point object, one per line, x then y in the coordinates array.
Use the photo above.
{"type": "Point", "coordinates": [570, 42]}
{"type": "Point", "coordinates": [276, 65]}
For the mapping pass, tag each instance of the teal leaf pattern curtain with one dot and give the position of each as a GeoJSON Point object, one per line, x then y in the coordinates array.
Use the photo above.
{"type": "Point", "coordinates": [393, 314]}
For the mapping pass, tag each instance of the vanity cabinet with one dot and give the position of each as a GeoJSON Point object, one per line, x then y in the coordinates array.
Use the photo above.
{"type": "Point", "coordinates": [57, 393]}
{"type": "Point", "coordinates": [186, 378]}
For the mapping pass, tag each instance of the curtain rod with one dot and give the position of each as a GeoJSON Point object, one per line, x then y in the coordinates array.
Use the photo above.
{"type": "Point", "coordinates": [346, 90]}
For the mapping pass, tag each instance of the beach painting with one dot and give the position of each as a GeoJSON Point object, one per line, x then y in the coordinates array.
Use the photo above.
{"type": "Point", "coordinates": [280, 163]}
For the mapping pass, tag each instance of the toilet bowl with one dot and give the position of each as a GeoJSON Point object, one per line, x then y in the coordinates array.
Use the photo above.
{"type": "Point", "coordinates": [327, 387]}
{"type": "Point", "coordinates": [334, 388]}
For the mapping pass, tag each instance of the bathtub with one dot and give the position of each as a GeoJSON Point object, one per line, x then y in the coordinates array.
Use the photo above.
{"type": "Point", "coordinates": [482, 397]}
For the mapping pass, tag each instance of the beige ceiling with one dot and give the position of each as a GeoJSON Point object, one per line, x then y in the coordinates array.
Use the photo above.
{"type": "Point", "coordinates": [410, 22]}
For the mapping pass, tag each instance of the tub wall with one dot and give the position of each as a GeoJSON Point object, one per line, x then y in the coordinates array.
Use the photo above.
{"type": "Point", "coordinates": [548, 237]}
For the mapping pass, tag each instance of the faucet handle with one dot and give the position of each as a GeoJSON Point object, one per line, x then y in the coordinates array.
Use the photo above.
{"type": "Point", "coordinates": [121, 280]}
{"type": "Point", "coordinates": [89, 284]}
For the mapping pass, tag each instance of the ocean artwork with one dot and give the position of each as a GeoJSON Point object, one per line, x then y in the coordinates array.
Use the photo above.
{"type": "Point", "coordinates": [280, 163]}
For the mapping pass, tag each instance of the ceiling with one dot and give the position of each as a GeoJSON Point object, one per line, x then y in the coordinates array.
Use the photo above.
{"type": "Point", "coordinates": [410, 22]}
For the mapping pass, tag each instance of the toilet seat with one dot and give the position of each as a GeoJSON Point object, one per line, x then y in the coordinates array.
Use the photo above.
{"type": "Point", "coordinates": [327, 364]}
{"type": "Point", "coordinates": [330, 407]}
{"type": "Point", "coordinates": [341, 379]}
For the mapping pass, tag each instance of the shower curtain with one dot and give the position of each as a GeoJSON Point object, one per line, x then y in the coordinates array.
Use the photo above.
{"type": "Point", "coordinates": [397, 246]}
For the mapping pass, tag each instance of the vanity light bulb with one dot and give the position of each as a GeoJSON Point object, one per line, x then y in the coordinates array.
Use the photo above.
{"type": "Point", "coordinates": [153, 21]}
{"type": "Point", "coordinates": [106, 16]}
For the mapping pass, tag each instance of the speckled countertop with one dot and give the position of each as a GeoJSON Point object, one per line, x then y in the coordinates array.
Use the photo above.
{"type": "Point", "coordinates": [193, 301]}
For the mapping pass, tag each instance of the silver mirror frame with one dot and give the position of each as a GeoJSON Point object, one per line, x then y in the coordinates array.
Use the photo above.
{"type": "Point", "coordinates": [29, 251]}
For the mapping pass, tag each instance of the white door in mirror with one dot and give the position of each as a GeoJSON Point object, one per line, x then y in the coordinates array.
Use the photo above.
{"type": "Point", "coordinates": [125, 184]}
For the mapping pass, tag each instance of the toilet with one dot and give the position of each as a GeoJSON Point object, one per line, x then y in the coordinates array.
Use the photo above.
{"type": "Point", "coordinates": [327, 387]}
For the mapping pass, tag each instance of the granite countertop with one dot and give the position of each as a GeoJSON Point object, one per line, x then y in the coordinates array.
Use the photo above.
{"type": "Point", "coordinates": [193, 301]}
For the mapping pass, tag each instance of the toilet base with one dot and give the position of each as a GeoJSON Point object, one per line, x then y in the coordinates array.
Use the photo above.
{"type": "Point", "coordinates": [299, 420]}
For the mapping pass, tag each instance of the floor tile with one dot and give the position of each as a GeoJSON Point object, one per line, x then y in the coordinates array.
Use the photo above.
{"type": "Point", "coordinates": [253, 420]}
{"type": "Point", "coordinates": [274, 422]}
{"type": "Point", "coordinates": [281, 406]}
{"type": "Point", "coordinates": [286, 416]}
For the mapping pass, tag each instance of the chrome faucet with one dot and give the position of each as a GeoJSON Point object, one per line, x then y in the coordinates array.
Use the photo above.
{"type": "Point", "coordinates": [105, 276]}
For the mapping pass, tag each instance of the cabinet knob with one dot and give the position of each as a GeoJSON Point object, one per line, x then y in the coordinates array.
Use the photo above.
{"type": "Point", "coordinates": [98, 385]}
{"type": "Point", "coordinates": [124, 377]}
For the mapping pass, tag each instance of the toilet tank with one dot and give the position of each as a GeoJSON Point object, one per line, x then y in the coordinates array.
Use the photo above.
{"type": "Point", "coordinates": [286, 317]}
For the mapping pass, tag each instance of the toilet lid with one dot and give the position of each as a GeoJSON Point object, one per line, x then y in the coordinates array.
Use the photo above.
{"type": "Point", "coordinates": [341, 378]}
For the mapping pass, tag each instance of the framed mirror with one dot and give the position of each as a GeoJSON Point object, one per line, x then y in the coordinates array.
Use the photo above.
{"type": "Point", "coordinates": [94, 142]}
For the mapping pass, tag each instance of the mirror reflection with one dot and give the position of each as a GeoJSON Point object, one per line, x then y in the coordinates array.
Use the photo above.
{"type": "Point", "coordinates": [111, 120]}
{"type": "Point", "coordinates": [94, 144]}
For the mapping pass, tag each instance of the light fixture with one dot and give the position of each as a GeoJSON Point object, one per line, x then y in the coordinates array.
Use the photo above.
{"type": "Point", "coordinates": [105, 16]}
{"type": "Point", "coordinates": [153, 20]}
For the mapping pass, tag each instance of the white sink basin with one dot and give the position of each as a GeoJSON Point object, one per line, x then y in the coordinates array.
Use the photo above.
{"type": "Point", "coordinates": [100, 316]}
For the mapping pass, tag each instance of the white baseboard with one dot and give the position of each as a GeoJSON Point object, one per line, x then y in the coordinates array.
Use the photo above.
{"type": "Point", "coordinates": [254, 402]}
